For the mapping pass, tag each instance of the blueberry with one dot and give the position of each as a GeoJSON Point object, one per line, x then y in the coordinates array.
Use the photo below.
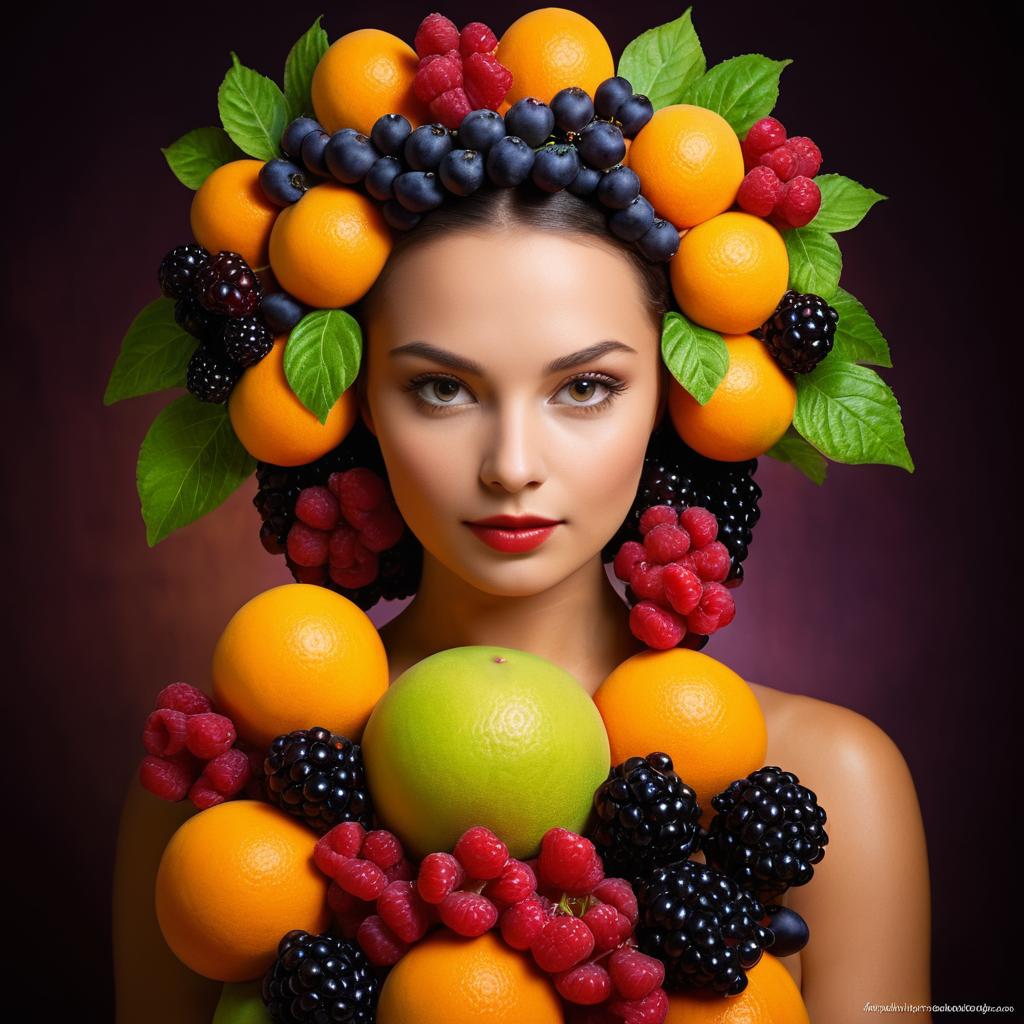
{"type": "Point", "coordinates": [509, 161]}
{"type": "Point", "coordinates": [283, 182]}
{"type": "Point", "coordinates": [634, 114]}
{"type": "Point", "coordinates": [480, 129]}
{"type": "Point", "coordinates": [601, 144]}
{"type": "Point", "coordinates": [297, 130]}
{"type": "Point", "coordinates": [418, 191]}
{"type": "Point", "coordinates": [789, 928]}
{"type": "Point", "coordinates": [281, 311]}
{"type": "Point", "coordinates": [585, 183]}
{"type": "Point", "coordinates": [573, 109]}
{"type": "Point", "coordinates": [381, 176]}
{"type": "Point", "coordinates": [389, 133]}
{"type": "Point", "coordinates": [426, 146]}
{"type": "Point", "coordinates": [312, 152]}
{"type": "Point", "coordinates": [349, 155]}
{"type": "Point", "coordinates": [610, 95]}
{"type": "Point", "coordinates": [618, 188]}
{"type": "Point", "coordinates": [660, 242]}
{"type": "Point", "coordinates": [555, 165]}
{"type": "Point", "coordinates": [530, 120]}
{"type": "Point", "coordinates": [634, 221]}
{"type": "Point", "coordinates": [398, 216]}
{"type": "Point", "coordinates": [462, 171]}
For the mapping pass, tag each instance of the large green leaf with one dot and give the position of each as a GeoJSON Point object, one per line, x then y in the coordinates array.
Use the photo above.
{"type": "Point", "coordinates": [661, 62]}
{"type": "Point", "coordinates": [321, 358]}
{"type": "Point", "coordinates": [697, 357]}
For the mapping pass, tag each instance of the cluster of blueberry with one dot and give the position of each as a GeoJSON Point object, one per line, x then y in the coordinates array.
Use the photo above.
{"type": "Point", "coordinates": [576, 143]}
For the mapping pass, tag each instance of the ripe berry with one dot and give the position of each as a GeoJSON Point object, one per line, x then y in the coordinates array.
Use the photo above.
{"type": "Point", "coordinates": [808, 154]}
{"type": "Point", "coordinates": [522, 923]}
{"type": "Point", "coordinates": [226, 285]}
{"type": "Point", "coordinates": [294, 134]}
{"type": "Point", "coordinates": [402, 909]}
{"type": "Point", "coordinates": [760, 191]}
{"type": "Point", "coordinates": [799, 203]}
{"type": "Point", "coordinates": [567, 861]}
{"type": "Point", "coordinates": [516, 882]}
{"type": "Point", "coordinates": [306, 546]}
{"type": "Point", "coordinates": [801, 331]}
{"type": "Point", "coordinates": [382, 848]}
{"type": "Point", "coordinates": [656, 627]}
{"type": "Point", "coordinates": [183, 697]}
{"type": "Point", "coordinates": [381, 176]}
{"type": "Point", "coordinates": [634, 114]}
{"type": "Point", "coordinates": [283, 182]}
{"type": "Point", "coordinates": [169, 778]}
{"type": "Point", "coordinates": [389, 133]}
{"type": "Point", "coordinates": [618, 187]}
{"type": "Point", "coordinates": [312, 152]}
{"type": "Point", "coordinates": [468, 913]}
{"type": "Point", "coordinates": [712, 562]}
{"type": "Point", "coordinates": [485, 80]}
{"type": "Point", "coordinates": [586, 181]}
{"type": "Point", "coordinates": [480, 129]}
{"type": "Point", "coordinates": [209, 735]}
{"type": "Point", "coordinates": [563, 942]}
{"type": "Point", "coordinates": [660, 242]}
{"type": "Point", "coordinates": [462, 171]}
{"type": "Point", "coordinates": [610, 95]}
{"type": "Point", "coordinates": [210, 375]}
{"type": "Point", "coordinates": [318, 507]}
{"type": "Point", "coordinates": [426, 146]}
{"type": "Point", "coordinates": [634, 221]}
{"type": "Point", "coordinates": [585, 985]}
{"type": "Point", "coordinates": [701, 525]}
{"type": "Point", "coordinates": [380, 944]}
{"type": "Point", "coordinates": [246, 340]}
{"type": "Point", "coordinates": [573, 109]}
{"type": "Point", "coordinates": [398, 216]}
{"type": "Point", "coordinates": [509, 161]}
{"type": "Point", "coordinates": [715, 610]}
{"type": "Point", "coordinates": [165, 732]}
{"type": "Point", "coordinates": [783, 161]}
{"type": "Point", "coordinates": [436, 34]}
{"type": "Point", "coordinates": [635, 975]}
{"type": "Point", "coordinates": [619, 893]}
{"type": "Point", "coordinates": [349, 156]}
{"type": "Point", "coordinates": [555, 166]}
{"type": "Point", "coordinates": [177, 273]}
{"type": "Point", "coordinates": [683, 588]}
{"type": "Point", "coordinates": [610, 928]}
{"type": "Point", "coordinates": [530, 120]}
{"type": "Point", "coordinates": [601, 144]}
{"type": "Point", "coordinates": [451, 107]}
{"type": "Point", "coordinates": [764, 135]}
{"type": "Point", "coordinates": [476, 37]}
{"type": "Point", "coordinates": [481, 853]}
{"type": "Point", "coordinates": [281, 312]}
{"type": "Point", "coordinates": [439, 875]}
{"type": "Point", "coordinates": [418, 191]}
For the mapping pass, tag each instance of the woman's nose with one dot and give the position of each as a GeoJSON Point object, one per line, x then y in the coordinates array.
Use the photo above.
{"type": "Point", "coordinates": [513, 455]}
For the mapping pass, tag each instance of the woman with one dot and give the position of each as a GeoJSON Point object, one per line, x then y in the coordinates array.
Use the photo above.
{"type": "Point", "coordinates": [512, 367]}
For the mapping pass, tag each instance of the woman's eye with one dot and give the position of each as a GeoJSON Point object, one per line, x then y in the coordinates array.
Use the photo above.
{"type": "Point", "coordinates": [440, 391]}
{"type": "Point", "coordinates": [586, 391]}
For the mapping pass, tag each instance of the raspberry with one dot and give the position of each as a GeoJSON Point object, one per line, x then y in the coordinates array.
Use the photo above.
{"type": "Point", "coordinates": [700, 524]}
{"type": "Point", "coordinates": [229, 772]}
{"type": "Point", "coordinates": [619, 893]}
{"type": "Point", "coordinates": [468, 913]}
{"type": "Point", "coordinates": [515, 883]}
{"type": "Point", "coordinates": [439, 875]}
{"type": "Point", "coordinates": [764, 136]}
{"type": "Point", "coordinates": [437, 75]}
{"type": "Point", "coordinates": [783, 161]}
{"type": "Point", "coordinates": [306, 546]}
{"type": "Point", "coordinates": [341, 548]}
{"type": "Point", "coordinates": [808, 154]}
{"type": "Point", "coordinates": [563, 943]}
{"type": "Point", "coordinates": [337, 846]}
{"type": "Point", "coordinates": [359, 487]}
{"type": "Point", "coordinates": [760, 191]}
{"type": "Point", "coordinates": [315, 574]}
{"type": "Point", "coordinates": [169, 778]}
{"type": "Point", "coordinates": [164, 732]}
{"type": "Point", "coordinates": [203, 795]}
{"type": "Point", "coordinates": [715, 610]}
{"type": "Point", "coordinates": [317, 507]}
{"type": "Point", "coordinates": [383, 531]}
{"type": "Point", "coordinates": [362, 573]}
{"type": "Point", "coordinates": [383, 848]}
{"type": "Point", "coordinates": [647, 582]}
{"type": "Point", "coordinates": [654, 516]}
{"type": "Point", "coordinates": [403, 871]}
{"type": "Point", "coordinates": [586, 985]}
{"type": "Point", "coordinates": [567, 862]}
{"type": "Point", "coordinates": [402, 909]}
{"type": "Point", "coordinates": [800, 202]}
{"type": "Point", "coordinates": [610, 928]}
{"type": "Point", "coordinates": [656, 627]}
{"type": "Point", "coordinates": [209, 734]}
{"type": "Point", "coordinates": [481, 853]}
{"type": "Point", "coordinates": [183, 697]}
{"type": "Point", "coordinates": [652, 1010]}
{"type": "Point", "coordinates": [625, 560]}
{"type": "Point", "coordinates": [522, 923]}
{"type": "Point", "coordinates": [362, 878]}
{"type": "Point", "coordinates": [486, 80]}
{"type": "Point", "coordinates": [476, 37]}
{"type": "Point", "coordinates": [712, 562]}
{"type": "Point", "coordinates": [666, 542]}
{"type": "Point", "coordinates": [380, 944]}
{"type": "Point", "coordinates": [451, 106]}
{"type": "Point", "coordinates": [636, 975]}
{"type": "Point", "coordinates": [683, 587]}
{"type": "Point", "coordinates": [436, 34]}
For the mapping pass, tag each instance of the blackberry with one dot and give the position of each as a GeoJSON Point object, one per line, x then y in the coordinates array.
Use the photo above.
{"type": "Point", "coordinates": [674, 474]}
{"type": "Point", "coordinates": [318, 776]}
{"type": "Point", "coordinates": [768, 832]}
{"type": "Point", "coordinates": [226, 285]}
{"type": "Point", "coordinates": [320, 978]}
{"type": "Point", "coordinates": [705, 928]}
{"type": "Point", "coordinates": [246, 340]}
{"type": "Point", "coordinates": [801, 331]}
{"type": "Point", "coordinates": [199, 322]}
{"type": "Point", "coordinates": [177, 273]}
{"type": "Point", "coordinates": [647, 815]}
{"type": "Point", "coordinates": [210, 375]}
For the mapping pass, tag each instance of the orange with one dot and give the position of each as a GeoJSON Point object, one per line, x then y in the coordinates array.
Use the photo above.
{"type": "Point", "coordinates": [771, 997]}
{"type": "Point", "coordinates": [730, 272]}
{"type": "Point", "coordinates": [232, 881]}
{"type": "Point", "coordinates": [749, 411]}
{"type": "Point", "coordinates": [271, 422]}
{"type": "Point", "coordinates": [691, 707]}
{"type": "Point", "coordinates": [330, 246]}
{"type": "Point", "coordinates": [448, 979]}
{"type": "Point", "coordinates": [230, 212]}
{"type": "Point", "coordinates": [551, 49]}
{"type": "Point", "coordinates": [295, 657]}
{"type": "Point", "coordinates": [689, 162]}
{"type": "Point", "coordinates": [362, 76]}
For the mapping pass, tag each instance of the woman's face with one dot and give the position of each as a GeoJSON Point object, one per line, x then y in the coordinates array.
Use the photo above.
{"type": "Point", "coordinates": [512, 372]}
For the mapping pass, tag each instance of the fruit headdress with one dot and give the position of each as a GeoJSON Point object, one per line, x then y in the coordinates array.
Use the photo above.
{"type": "Point", "coordinates": [301, 191]}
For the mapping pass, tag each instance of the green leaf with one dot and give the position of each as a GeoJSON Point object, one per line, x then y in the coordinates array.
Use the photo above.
{"type": "Point", "coordinates": [252, 110]}
{"type": "Point", "coordinates": [661, 62]}
{"type": "Point", "coordinates": [190, 462]}
{"type": "Point", "coordinates": [795, 451]}
{"type": "Point", "coordinates": [858, 340]}
{"type": "Point", "coordinates": [321, 358]}
{"type": "Point", "coordinates": [695, 356]}
{"type": "Point", "coordinates": [742, 89]}
{"type": "Point", "coordinates": [815, 262]}
{"type": "Point", "coordinates": [299, 67]}
{"type": "Point", "coordinates": [849, 414]}
{"type": "Point", "coordinates": [154, 354]}
{"type": "Point", "coordinates": [844, 202]}
{"type": "Point", "coordinates": [195, 156]}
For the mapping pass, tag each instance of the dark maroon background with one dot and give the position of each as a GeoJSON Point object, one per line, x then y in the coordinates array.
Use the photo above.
{"type": "Point", "coordinates": [885, 592]}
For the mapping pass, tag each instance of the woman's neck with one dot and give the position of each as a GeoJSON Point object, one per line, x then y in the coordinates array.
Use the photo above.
{"type": "Point", "coordinates": [580, 624]}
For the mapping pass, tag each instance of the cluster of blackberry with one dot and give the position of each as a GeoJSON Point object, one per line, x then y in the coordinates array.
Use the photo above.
{"type": "Point", "coordinates": [801, 331]}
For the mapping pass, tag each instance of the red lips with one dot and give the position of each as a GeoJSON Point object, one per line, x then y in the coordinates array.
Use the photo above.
{"type": "Point", "coordinates": [515, 522]}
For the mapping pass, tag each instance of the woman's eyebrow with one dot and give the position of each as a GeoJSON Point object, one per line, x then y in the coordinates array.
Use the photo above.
{"type": "Point", "coordinates": [457, 362]}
